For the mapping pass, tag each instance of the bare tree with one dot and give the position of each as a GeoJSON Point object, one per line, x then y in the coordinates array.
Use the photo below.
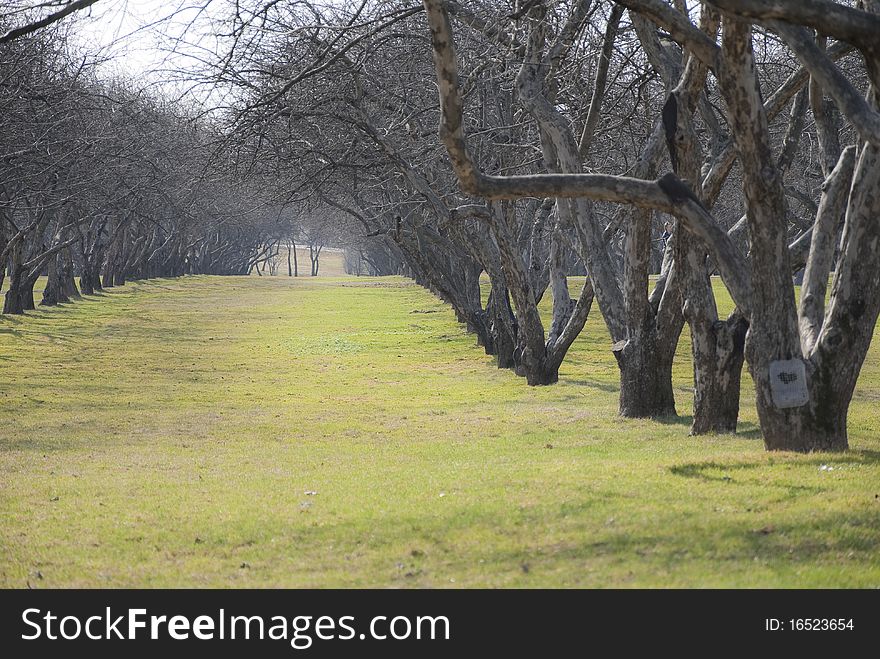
{"type": "Point", "coordinates": [811, 396]}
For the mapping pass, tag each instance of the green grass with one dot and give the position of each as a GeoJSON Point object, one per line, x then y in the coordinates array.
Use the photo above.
{"type": "Point", "coordinates": [169, 434]}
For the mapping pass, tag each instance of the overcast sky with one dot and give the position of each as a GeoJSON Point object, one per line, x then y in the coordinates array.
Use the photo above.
{"type": "Point", "coordinates": [139, 36]}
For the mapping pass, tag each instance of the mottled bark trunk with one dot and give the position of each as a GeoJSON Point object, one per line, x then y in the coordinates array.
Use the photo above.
{"type": "Point", "coordinates": [718, 363]}
{"type": "Point", "coordinates": [536, 369]}
{"type": "Point", "coordinates": [536, 86]}
{"type": "Point", "coordinates": [820, 425]}
{"type": "Point", "coordinates": [825, 350]}
{"type": "Point", "coordinates": [645, 365]}
{"type": "Point", "coordinates": [531, 351]}
{"type": "Point", "coordinates": [835, 359]}
{"type": "Point", "coordinates": [716, 345]}
{"type": "Point", "coordinates": [563, 305]}
{"type": "Point", "coordinates": [773, 333]}
{"type": "Point", "coordinates": [502, 327]}
{"type": "Point", "coordinates": [823, 241]}
{"type": "Point", "coordinates": [645, 377]}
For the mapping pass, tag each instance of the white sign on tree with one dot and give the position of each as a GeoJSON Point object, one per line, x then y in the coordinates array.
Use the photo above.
{"type": "Point", "coordinates": [788, 383]}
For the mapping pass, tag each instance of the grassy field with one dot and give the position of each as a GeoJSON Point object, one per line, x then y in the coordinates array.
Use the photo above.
{"type": "Point", "coordinates": [346, 432]}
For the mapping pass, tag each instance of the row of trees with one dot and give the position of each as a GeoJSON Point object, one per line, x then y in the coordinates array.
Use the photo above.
{"type": "Point", "coordinates": [618, 139]}
{"type": "Point", "coordinates": [556, 119]}
{"type": "Point", "coordinates": [101, 183]}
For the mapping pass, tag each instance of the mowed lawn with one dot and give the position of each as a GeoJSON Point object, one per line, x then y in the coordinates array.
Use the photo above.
{"type": "Point", "coordinates": [264, 431]}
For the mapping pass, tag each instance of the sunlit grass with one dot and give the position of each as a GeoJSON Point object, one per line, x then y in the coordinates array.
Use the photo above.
{"type": "Point", "coordinates": [265, 431]}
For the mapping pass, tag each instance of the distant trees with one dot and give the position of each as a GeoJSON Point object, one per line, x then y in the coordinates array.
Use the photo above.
{"type": "Point", "coordinates": [102, 181]}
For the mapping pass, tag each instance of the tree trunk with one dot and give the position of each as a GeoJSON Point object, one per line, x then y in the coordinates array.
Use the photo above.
{"type": "Point", "coordinates": [815, 420]}
{"type": "Point", "coordinates": [54, 291]}
{"type": "Point", "coordinates": [530, 356]}
{"type": "Point", "coordinates": [563, 305]}
{"type": "Point", "coordinates": [716, 345]}
{"type": "Point", "coordinates": [502, 328]}
{"type": "Point", "coordinates": [820, 425]}
{"type": "Point", "coordinates": [85, 282]}
{"type": "Point", "coordinates": [107, 278]}
{"type": "Point", "coordinates": [90, 279]}
{"type": "Point", "coordinates": [65, 274]}
{"type": "Point", "coordinates": [717, 375]}
{"type": "Point", "coordinates": [535, 368]}
{"type": "Point", "coordinates": [836, 341]}
{"type": "Point", "coordinates": [314, 255]}
{"type": "Point", "coordinates": [3, 243]}
{"type": "Point", "coordinates": [27, 291]}
{"type": "Point", "coordinates": [645, 377]}
{"type": "Point", "coordinates": [13, 303]}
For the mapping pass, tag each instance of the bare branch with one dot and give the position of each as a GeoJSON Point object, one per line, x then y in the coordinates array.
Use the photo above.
{"type": "Point", "coordinates": [829, 18]}
{"type": "Point", "coordinates": [812, 304]}
{"type": "Point", "coordinates": [24, 30]}
{"type": "Point", "coordinates": [851, 104]}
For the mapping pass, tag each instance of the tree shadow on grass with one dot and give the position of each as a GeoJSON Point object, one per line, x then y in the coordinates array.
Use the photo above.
{"type": "Point", "coordinates": [42, 312]}
{"type": "Point", "coordinates": [866, 456]}
{"type": "Point", "coordinates": [594, 384]}
{"type": "Point", "coordinates": [749, 430]}
{"type": "Point", "coordinates": [721, 472]}
{"type": "Point", "coordinates": [857, 456]}
{"type": "Point", "coordinates": [675, 420]}
{"type": "Point", "coordinates": [744, 430]}
{"type": "Point", "coordinates": [700, 470]}
{"type": "Point", "coordinates": [37, 445]}
{"type": "Point", "coordinates": [421, 550]}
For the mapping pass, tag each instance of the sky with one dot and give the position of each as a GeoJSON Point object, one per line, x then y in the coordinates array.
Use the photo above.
{"type": "Point", "coordinates": [139, 38]}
